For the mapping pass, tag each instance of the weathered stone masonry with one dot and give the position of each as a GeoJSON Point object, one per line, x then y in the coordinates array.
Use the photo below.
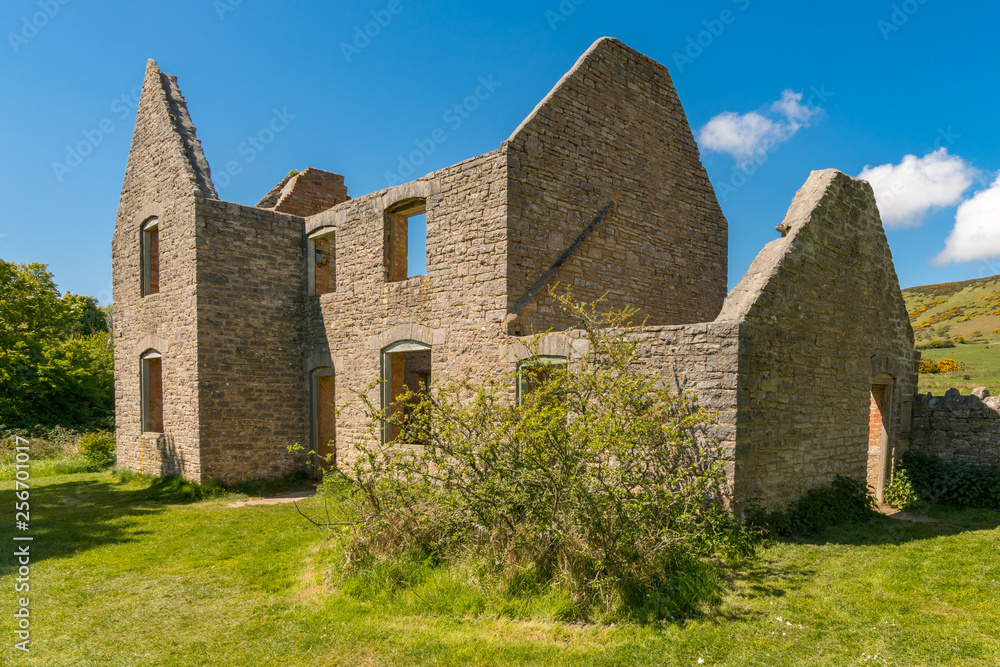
{"type": "Point", "coordinates": [264, 311]}
{"type": "Point", "coordinates": [959, 428]}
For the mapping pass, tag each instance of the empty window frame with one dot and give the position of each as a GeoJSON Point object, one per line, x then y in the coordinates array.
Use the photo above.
{"type": "Point", "coordinates": [406, 365]}
{"type": "Point", "coordinates": [152, 392]}
{"type": "Point", "coordinates": [406, 239]}
{"type": "Point", "coordinates": [151, 256]}
{"type": "Point", "coordinates": [324, 418]}
{"type": "Point", "coordinates": [535, 372]}
{"type": "Point", "coordinates": [322, 255]}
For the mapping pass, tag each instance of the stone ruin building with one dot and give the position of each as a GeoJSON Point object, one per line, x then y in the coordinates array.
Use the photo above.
{"type": "Point", "coordinates": [240, 328]}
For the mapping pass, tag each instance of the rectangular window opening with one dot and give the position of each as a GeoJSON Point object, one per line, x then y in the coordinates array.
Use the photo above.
{"type": "Point", "coordinates": [150, 258]}
{"type": "Point", "coordinates": [322, 264]}
{"type": "Point", "coordinates": [416, 245]}
{"type": "Point", "coordinates": [535, 373]}
{"type": "Point", "coordinates": [405, 370]}
{"type": "Point", "coordinates": [406, 240]}
{"type": "Point", "coordinates": [152, 394]}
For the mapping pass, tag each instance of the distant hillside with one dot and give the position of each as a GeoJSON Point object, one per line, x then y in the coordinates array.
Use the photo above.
{"type": "Point", "coordinates": [967, 308]}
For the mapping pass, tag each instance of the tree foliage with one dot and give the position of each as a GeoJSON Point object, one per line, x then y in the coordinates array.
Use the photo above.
{"type": "Point", "coordinates": [595, 481]}
{"type": "Point", "coordinates": [56, 363]}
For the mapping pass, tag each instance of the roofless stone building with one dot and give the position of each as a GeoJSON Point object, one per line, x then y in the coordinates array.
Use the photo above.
{"type": "Point", "coordinates": [239, 328]}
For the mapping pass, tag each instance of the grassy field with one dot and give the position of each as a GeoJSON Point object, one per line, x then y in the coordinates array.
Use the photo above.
{"type": "Point", "coordinates": [955, 309]}
{"type": "Point", "coordinates": [968, 310]}
{"type": "Point", "coordinates": [982, 369]}
{"type": "Point", "coordinates": [126, 573]}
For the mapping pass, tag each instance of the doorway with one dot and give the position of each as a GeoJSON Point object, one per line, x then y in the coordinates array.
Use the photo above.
{"type": "Point", "coordinates": [324, 419]}
{"type": "Point", "coordinates": [878, 436]}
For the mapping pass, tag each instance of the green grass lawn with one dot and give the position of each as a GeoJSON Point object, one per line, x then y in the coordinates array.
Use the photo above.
{"type": "Point", "coordinates": [982, 369]}
{"type": "Point", "coordinates": [125, 574]}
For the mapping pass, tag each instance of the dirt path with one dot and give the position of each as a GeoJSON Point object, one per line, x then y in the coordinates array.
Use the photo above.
{"type": "Point", "coordinates": [278, 499]}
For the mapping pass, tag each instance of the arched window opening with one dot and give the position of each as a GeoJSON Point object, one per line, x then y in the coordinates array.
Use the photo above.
{"type": "Point", "coordinates": [406, 366]}
{"type": "Point", "coordinates": [152, 392]}
{"type": "Point", "coordinates": [151, 257]}
{"type": "Point", "coordinates": [537, 372]}
{"type": "Point", "coordinates": [406, 239]}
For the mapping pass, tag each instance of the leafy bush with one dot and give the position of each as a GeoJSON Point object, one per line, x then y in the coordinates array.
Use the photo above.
{"type": "Point", "coordinates": [938, 481]}
{"type": "Point", "coordinates": [595, 483]}
{"type": "Point", "coordinates": [56, 451]}
{"type": "Point", "coordinates": [944, 366]}
{"type": "Point", "coordinates": [846, 500]}
{"type": "Point", "coordinates": [98, 448]}
{"type": "Point", "coordinates": [901, 493]}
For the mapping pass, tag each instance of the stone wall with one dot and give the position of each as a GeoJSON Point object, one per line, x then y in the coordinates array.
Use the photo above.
{"type": "Point", "coordinates": [788, 363]}
{"type": "Point", "coordinates": [613, 130]}
{"type": "Point", "coordinates": [253, 392]}
{"type": "Point", "coordinates": [165, 177]}
{"type": "Point", "coordinates": [457, 308]}
{"type": "Point", "coordinates": [956, 427]}
{"type": "Point", "coordinates": [821, 319]}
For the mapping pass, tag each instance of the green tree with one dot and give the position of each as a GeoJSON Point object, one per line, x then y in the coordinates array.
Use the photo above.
{"type": "Point", "coordinates": [56, 363]}
{"type": "Point", "coordinates": [595, 480]}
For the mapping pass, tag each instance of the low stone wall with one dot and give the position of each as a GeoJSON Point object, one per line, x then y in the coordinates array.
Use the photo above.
{"type": "Point", "coordinates": [956, 427]}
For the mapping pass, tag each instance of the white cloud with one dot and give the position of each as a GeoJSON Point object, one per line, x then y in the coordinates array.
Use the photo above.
{"type": "Point", "coordinates": [908, 190]}
{"type": "Point", "coordinates": [750, 135]}
{"type": "Point", "coordinates": [798, 114]}
{"type": "Point", "coordinates": [976, 234]}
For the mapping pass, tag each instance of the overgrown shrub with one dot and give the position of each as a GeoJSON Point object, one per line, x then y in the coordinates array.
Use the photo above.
{"type": "Point", "coordinates": [98, 448]}
{"type": "Point", "coordinates": [943, 366]}
{"type": "Point", "coordinates": [846, 500]}
{"type": "Point", "coordinates": [901, 493]}
{"type": "Point", "coordinates": [935, 480]}
{"type": "Point", "coordinates": [936, 344]}
{"type": "Point", "coordinates": [594, 483]}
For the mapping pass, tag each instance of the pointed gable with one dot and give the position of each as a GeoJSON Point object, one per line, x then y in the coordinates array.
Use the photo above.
{"type": "Point", "coordinates": [166, 159]}
{"type": "Point", "coordinates": [612, 132]}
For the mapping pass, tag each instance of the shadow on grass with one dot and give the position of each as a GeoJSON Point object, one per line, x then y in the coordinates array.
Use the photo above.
{"type": "Point", "coordinates": [71, 516]}
{"type": "Point", "coordinates": [764, 577]}
{"type": "Point", "coordinates": [948, 520]}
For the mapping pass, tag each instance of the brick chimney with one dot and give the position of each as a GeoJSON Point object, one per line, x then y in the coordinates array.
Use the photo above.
{"type": "Point", "coordinates": [308, 192]}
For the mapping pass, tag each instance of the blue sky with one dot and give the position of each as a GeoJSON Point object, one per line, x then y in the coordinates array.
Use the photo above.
{"type": "Point", "coordinates": [772, 90]}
